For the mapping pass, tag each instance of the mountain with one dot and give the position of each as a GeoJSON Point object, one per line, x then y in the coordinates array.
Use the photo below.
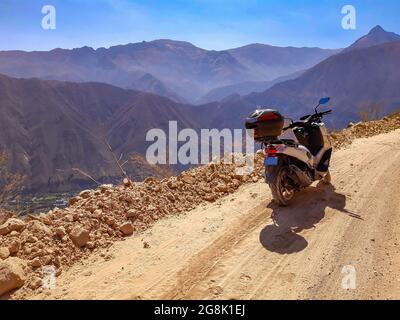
{"type": "Point", "coordinates": [183, 68]}
{"type": "Point", "coordinates": [148, 83]}
{"type": "Point", "coordinates": [244, 88]}
{"type": "Point", "coordinates": [354, 79]}
{"type": "Point", "coordinates": [269, 62]}
{"type": "Point", "coordinates": [50, 127]}
{"type": "Point", "coordinates": [375, 37]}
{"type": "Point", "coordinates": [176, 69]}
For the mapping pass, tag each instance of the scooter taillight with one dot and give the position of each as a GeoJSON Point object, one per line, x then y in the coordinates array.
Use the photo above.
{"type": "Point", "coordinates": [267, 117]}
{"type": "Point", "coordinates": [271, 151]}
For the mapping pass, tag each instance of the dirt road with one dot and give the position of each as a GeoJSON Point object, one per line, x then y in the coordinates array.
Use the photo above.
{"type": "Point", "coordinates": [244, 247]}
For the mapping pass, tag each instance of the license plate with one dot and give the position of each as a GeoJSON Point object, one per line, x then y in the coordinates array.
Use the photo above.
{"type": "Point", "coordinates": [271, 161]}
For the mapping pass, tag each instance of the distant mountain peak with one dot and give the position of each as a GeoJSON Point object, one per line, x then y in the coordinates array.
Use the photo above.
{"type": "Point", "coordinates": [377, 29]}
{"type": "Point", "coordinates": [376, 36]}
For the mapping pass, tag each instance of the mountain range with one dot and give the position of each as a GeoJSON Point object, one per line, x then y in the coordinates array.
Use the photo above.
{"type": "Point", "coordinates": [52, 126]}
{"type": "Point", "coordinates": [175, 69]}
{"type": "Point", "coordinates": [353, 78]}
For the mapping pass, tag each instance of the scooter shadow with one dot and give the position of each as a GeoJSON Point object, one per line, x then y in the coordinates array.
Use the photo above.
{"type": "Point", "coordinates": [307, 210]}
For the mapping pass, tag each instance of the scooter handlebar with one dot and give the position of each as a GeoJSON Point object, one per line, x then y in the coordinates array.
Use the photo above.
{"type": "Point", "coordinates": [327, 112]}
{"type": "Point", "coordinates": [302, 124]}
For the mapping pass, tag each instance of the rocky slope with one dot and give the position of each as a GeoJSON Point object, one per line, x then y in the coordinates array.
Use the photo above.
{"type": "Point", "coordinates": [51, 127]}
{"type": "Point", "coordinates": [97, 218]}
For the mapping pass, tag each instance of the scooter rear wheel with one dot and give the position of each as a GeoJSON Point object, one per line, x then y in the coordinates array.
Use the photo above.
{"type": "Point", "coordinates": [278, 183]}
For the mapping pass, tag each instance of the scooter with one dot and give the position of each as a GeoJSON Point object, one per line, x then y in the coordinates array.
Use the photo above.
{"type": "Point", "coordinates": [297, 157]}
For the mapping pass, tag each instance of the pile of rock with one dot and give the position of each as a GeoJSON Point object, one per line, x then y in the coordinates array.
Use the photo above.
{"type": "Point", "coordinates": [365, 130]}
{"type": "Point", "coordinates": [97, 218]}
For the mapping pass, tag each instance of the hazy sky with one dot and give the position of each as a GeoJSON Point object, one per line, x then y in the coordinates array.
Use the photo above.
{"type": "Point", "coordinates": [211, 24]}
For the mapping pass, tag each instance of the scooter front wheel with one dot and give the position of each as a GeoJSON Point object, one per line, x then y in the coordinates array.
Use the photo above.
{"type": "Point", "coordinates": [278, 181]}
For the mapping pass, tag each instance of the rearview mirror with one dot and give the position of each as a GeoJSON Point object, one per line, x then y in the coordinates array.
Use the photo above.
{"type": "Point", "coordinates": [324, 100]}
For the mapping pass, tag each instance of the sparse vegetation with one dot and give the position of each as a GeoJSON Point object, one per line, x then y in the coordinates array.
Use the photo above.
{"type": "Point", "coordinates": [371, 111]}
{"type": "Point", "coordinates": [10, 183]}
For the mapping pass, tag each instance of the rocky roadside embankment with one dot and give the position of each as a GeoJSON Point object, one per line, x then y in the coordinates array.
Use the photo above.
{"type": "Point", "coordinates": [97, 218]}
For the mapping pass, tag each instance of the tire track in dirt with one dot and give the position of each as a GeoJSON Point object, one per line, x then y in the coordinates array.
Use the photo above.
{"type": "Point", "coordinates": [203, 262]}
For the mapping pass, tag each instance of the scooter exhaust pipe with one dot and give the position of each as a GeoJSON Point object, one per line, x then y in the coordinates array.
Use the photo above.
{"type": "Point", "coordinates": [303, 179]}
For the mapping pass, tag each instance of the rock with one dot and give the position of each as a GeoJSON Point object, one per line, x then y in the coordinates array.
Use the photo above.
{"type": "Point", "coordinates": [188, 179]}
{"type": "Point", "coordinates": [35, 283]}
{"type": "Point", "coordinates": [47, 260]}
{"type": "Point", "coordinates": [105, 187]}
{"type": "Point", "coordinates": [127, 183]}
{"type": "Point", "coordinates": [14, 246]}
{"type": "Point", "coordinates": [60, 232]}
{"type": "Point", "coordinates": [126, 228]}
{"type": "Point", "coordinates": [150, 180]}
{"type": "Point", "coordinates": [69, 218]}
{"type": "Point", "coordinates": [4, 253]}
{"type": "Point", "coordinates": [45, 218]}
{"type": "Point", "coordinates": [212, 176]}
{"type": "Point", "coordinates": [31, 239]}
{"type": "Point", "coordinates": [110, 221]}
{"type": "Point", "coordinates": [27, 250]}
{"type": "Point", "coordinates": [85, 194]}
{"type": "Point", "coordinates": [132, 213]}
{"type": "Point", "coordinates": [10, 225]}
{"type": "Point", "coordinates": [170, 196]}
{"type": "Point", "coordinates": [91, 245]}
{"type": "Point", "coordinates": [91, 208]}
{"type": "Point", "coordinates": [210, 197]}
{"type": "Point", "coordinates": [150, 207]}
{"type": "Point", "coordinates": [79, 236]}
{"type": "Point", "coordinates": [222, 188]}
{"type": "Point", "coordinates": [157, 188]}
{"type": "Point", "coordinates": [35, 263]}
{"type": "Point", "coordinates": [39, 228]}
{"type": "Point", "coordinates": [12, 274]}
{"type": "Point", "coordinates": [146, 245]}
{"type": "Point", "coordinates": [57, 261]}
{"type": "Point", "coordinates": [74, 200]}
{"type": "Point", "coordinates": [172, 185]}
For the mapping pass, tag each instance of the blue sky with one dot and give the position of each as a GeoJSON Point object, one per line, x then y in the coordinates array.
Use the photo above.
{"type": "Point", "coordinates": [211, 24]}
